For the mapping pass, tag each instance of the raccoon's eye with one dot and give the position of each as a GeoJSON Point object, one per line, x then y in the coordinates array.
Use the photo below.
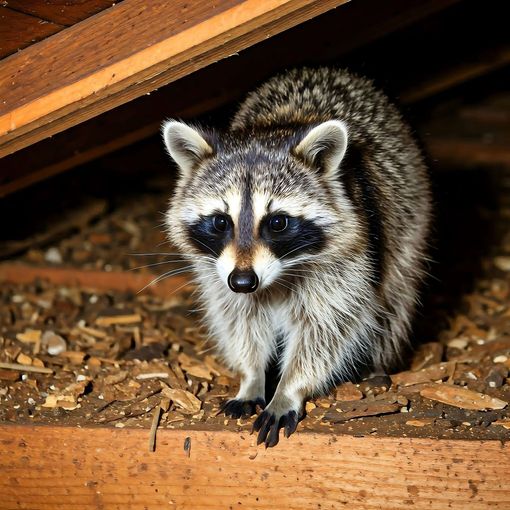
{"type": "Point", "coordinates": [220, 223]}
{"type": "Point", "coordinates": [278, 223]}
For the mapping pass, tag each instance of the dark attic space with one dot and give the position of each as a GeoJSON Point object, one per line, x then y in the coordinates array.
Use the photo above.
{"type": "Point", "coordinates": [100, 326]}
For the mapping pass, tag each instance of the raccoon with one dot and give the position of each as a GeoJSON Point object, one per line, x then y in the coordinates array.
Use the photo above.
{"type": "Point", "coordinates": [306, 224]}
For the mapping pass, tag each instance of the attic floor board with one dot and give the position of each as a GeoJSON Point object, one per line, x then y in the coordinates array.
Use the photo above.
{"type": "Point", "coordinates": [64, 467]}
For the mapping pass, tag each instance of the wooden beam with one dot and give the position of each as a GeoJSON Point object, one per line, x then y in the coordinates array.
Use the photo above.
{"type": "Point", "coordinates": [62, 12]}
{"type": "Point", "coordinates": [325, 37]}
{"type": "Point", "coordinates": [455, 152]}
{"type": "Point", "coordinates": [88, 468]}
{"type": "Point", "coordinates": [125, 52]}
{"type": "Point", "coordinates": [104, 281]}
{"type": "Point", "coordinates": [18, 30]}
{"type": "Point", "coordinates": [457, 73]}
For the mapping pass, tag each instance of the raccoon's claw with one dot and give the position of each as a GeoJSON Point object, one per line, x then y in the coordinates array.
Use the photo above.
{"type": "Point", "coordinates": [268, 426]}
{"type": "Point", "coordinates": [237, 408]}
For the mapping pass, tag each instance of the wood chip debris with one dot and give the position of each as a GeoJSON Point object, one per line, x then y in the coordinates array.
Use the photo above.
{"type": "Point", "coordinates": [195, 367]}
{"type": "Point", "coordinates": [31, 336]}
{"type": "Point", "coordinates": [128, 358]}
{"type": "Point", "coordinates": [152, 375]}
{"type": "Point", "coordinates": [188, 403]}
{"type": "Point", "coordinates": [348, 392]}
{"type": "Point", "coordinates": [367, 409]}
{"type": "Point", "coordinates": [462, 397]}
{"type": "Point", "coordinates": [505, 423]}
{"type": "Point", "coordinates": [53, 343]}
{"type": "Point", "coordinates": [420, 422]}
{"type": "Point", "coordinates": [154, 426]}
{"type": "Point", "coordinates": [106, 321]}
{"type": "Point", "coordinates": [432, 373]}
{"type": "Point", "coordinates": [26, 368]}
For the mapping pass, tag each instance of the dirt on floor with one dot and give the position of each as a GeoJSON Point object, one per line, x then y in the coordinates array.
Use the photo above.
{"type": "Point", "coordinates": [81, 357]}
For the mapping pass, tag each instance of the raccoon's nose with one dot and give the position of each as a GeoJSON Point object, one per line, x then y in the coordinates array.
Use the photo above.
{"type": "Point", "coordinates": [243, 281]}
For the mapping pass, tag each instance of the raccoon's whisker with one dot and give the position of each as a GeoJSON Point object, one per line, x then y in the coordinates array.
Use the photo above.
{"type": "Point", "coordinates": [300, 247]}
{"type": "Point", "coordinates": [288, 253]}
{"type": "Point", "coordinates": [168, 274]}
{"type": "Point", "coordinates": [180, 287]}
{"type": "Point", "coordinates": [303, 259]}
{"type": "Point", "coordinates": [303, 271]}
{"type": "Point", "coordinates": [203, 351]}
{"type": "Point", "coordinates": [297, 275]}
{"type": "Point", "coordinates": [195, 310]}
{"type": "Point", "coordinates": [204, 245]}
{"type": "Point", "coordinates": [156, 253]}
{"type": "Point", "coordinates": [287, 287]}
{"type": "Point", "coordinates": [162, 243]}
{"type": "Point", "coordinates": [304, 277]}
{"type": "Point", "coordinates": [185, 257]}
{"type": "Point", "coordinates": [158, 264]}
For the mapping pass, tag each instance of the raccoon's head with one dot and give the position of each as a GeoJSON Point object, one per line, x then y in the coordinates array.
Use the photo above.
{"type": "Point", "coordinates": [258, 206]}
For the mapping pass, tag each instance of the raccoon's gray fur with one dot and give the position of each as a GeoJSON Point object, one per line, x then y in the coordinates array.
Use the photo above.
{"type": "Point", "coordinates": [306, 225]}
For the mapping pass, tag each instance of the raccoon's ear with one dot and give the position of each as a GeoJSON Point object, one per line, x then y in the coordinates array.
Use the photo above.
{"type": "Point", "coordinates": [324, 146]}
{"type": "Point", "coordinates": [185, 145]}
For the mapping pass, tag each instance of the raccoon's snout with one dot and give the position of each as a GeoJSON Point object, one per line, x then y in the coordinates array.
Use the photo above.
{"type": "Point", "coordinates": [243, 281]}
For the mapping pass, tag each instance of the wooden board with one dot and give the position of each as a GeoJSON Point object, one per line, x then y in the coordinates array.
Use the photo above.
{"type": "Point", "coordinates": [18, 30]}
{"type": "Point", "coordinates": [89, 279]}
{"type": "Point", "coordinates": [325, 37]}
{"type": "Point", "coordinates": [125, 52]}
{"type": "Point", "coordinates": [64, 12]}
{"type": "Point", "coordinates": [79, 468]}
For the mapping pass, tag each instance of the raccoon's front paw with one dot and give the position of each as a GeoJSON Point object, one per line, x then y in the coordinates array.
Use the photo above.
{"type": "Point", "coordinates": [269, 423]}
{"type": "Point", "coordinates": [238, 408]}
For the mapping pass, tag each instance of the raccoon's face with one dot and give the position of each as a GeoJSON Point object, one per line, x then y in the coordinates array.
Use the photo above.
{"type": "Point", "coordinates": [259, 211]}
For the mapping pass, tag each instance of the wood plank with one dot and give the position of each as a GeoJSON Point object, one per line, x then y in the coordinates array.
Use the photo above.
{"type": "Point", "coordinates": [154, 44]}
{"type": "Point", "coordinates": [18, 30]}
{"type": "Point", "coordinates": [63, 12]}
{"type": "Point", "coordinates": [327, 36]}
{"type": "Point", "coordinates": [478, 64]}
{"type": "Point", "coordinates": [82, 468]}
{"type": "Point", "coordinates": [97, 280]}
{"type": "Point", "coordinates": [455, 152]}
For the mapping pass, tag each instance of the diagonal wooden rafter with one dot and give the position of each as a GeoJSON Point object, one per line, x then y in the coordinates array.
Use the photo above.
{"type": "Point", "coordinates": [125, 52]}
{"type": "Point", "coordinates": [324, 39]}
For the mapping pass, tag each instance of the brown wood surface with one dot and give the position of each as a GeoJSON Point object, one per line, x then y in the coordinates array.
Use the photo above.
{"type": "Point", "coordinates": [97, 280]}
{"type": "Point", "coordinates": [18, 30]}
{"type": "Point", "coordinates": [125, 52]}
{"type": "Point", "coordinates": [64, 12]}
{"type": "Point", "coordinates": [459, 153]}
{"type": "Point", "coordinates": [65, 467]}
{"type": "Point", "coordinates": [478, 65]}
{"type": "Point", "coordinates": [325, 37]}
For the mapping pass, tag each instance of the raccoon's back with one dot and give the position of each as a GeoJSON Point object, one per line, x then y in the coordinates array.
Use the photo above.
{"type": "Point", "coordinates": [310, 96]}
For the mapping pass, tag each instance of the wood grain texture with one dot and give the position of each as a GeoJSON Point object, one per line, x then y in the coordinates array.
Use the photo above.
{"type": "Point", "coordinates": [480, 64]}
{"type": "Point", "coordinates": [455, 152]}
{"type": "Point", "coordinates": [89, 279]}
{"type": "Point", "coordinates": [325, 37]}
{"type": "Point", "coordinates": [65, 467]}
{"type": "Point", "coordinates": [125, 52]}
{"type": "Point", "coordinates": [63, 12]}
{"type": "Point", "coordinates": [18, 30]}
